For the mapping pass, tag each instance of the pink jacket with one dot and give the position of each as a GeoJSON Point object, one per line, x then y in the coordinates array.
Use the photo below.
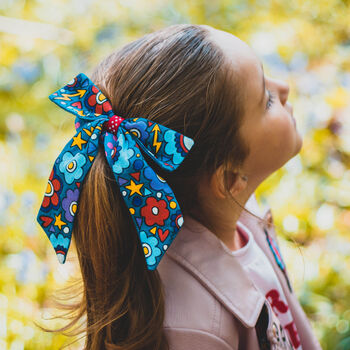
{"type": "Point", "coordinates": [211, 304]}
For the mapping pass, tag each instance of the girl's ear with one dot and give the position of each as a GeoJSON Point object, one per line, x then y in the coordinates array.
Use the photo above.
{"type": "Point", "coordinates": [235, 183]}
{"type": "Point", "coordinates": [217, 183]}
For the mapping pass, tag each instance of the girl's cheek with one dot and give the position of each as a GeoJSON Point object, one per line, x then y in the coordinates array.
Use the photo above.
{"type": "Point", "coordinates": [281, 120]}
{"type": "Point", "coordinates": [277, 131]}
{"type": "Point", "coordinates": [286, 129]}
{"type": "Point", "coordinates": [288, 122]}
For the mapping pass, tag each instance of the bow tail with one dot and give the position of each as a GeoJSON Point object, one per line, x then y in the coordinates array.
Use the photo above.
{"type": "Point", "coordinates": [60, 203]}
{"type": "Point", "coordinates": [151, 202]}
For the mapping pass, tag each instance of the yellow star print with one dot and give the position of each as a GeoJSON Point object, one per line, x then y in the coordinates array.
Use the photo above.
{"type": "Point", "coordinates": [134, 188]}
{"type": "Point", "coordinates": [78, 141]}
{"type": "Point", "coordinates": [59, 222]}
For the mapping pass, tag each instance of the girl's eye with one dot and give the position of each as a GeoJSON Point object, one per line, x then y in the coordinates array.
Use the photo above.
{"type": "Point", "coordinates": [271, 99]}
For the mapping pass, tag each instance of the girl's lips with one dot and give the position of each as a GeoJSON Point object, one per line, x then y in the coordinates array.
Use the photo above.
{"type": "Point", "coordinates": [291, 112]}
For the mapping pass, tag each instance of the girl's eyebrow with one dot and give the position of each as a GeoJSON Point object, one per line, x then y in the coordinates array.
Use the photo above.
{"type": "Point", "coordinates": [263, 91]}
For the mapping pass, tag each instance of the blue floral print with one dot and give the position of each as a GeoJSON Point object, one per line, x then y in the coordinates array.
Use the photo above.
{"type": "Point", "coordinates": [71, 166]}
{"type": "Point", "coordinates": [149, 245]}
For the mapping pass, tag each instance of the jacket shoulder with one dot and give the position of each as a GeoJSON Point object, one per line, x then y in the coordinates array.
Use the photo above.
{"type": "Point", "coordinates": [191, 309]}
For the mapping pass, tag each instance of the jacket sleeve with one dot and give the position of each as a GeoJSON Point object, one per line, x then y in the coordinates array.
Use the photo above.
{"type": "Point", "coordinates": [194, 339]}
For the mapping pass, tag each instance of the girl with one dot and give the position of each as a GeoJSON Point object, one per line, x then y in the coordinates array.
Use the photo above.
{"type": "Point", "coordinates": [222, 283]}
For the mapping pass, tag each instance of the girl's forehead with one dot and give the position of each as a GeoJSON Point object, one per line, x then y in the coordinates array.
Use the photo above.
{"type": "Point", "coordinates": [235, 49]}
{"type": "Point", "coordinates": [245, 63]}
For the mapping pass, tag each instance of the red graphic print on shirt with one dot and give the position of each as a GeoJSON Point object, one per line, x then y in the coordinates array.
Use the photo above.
{"type": "Point", "coordinates": [279, 306]}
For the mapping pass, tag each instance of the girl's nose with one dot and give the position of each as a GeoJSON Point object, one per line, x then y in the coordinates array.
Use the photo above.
{"type": "Point", "coordinates": [283, 90]}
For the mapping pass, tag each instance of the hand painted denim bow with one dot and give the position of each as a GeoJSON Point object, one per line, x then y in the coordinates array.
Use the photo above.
{"type": "Point", "coordinates": [151, 202]}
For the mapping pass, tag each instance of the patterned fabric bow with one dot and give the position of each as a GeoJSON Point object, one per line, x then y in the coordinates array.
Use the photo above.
{"type": "Point", "coordinates": [151, 202]}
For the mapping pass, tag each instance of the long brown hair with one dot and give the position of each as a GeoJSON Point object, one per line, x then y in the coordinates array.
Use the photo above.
{"type": "Point", "coordinates": [179, 78]}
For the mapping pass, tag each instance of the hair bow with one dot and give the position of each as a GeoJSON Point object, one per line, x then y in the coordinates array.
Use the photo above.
{"type": "Point", "coordinates": [151, 202]}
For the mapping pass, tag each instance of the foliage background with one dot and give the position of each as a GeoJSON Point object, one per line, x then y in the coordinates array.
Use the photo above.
{"type": "Point", "coordinates": [44, 43]}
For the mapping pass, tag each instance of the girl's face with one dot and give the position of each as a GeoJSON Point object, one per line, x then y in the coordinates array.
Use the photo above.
{"type": "Point", "coordinates": [268, 124]}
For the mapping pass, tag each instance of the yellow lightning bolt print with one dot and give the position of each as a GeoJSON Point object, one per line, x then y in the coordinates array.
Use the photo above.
{"type": "Point", "coordinates": [155, 142]}
{"type": "Point", "coordinates": [67, 97]}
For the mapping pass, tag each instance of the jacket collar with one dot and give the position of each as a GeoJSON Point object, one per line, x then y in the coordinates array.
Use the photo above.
{"type": "Point", "coordinates": [201, 253]}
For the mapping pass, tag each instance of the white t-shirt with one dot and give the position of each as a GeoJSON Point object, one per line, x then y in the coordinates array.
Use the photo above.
{"type": "Point", "coordinates": [259, 268]}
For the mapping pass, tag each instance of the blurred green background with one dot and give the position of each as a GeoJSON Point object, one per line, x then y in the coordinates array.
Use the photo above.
{"type": "Point", "coordinates": [44, 43]}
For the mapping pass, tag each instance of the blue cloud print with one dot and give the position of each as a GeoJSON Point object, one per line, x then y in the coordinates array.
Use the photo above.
{"type": "Point", "coordinates": [71, 166]}
{"type": "Point", "coordinates": [150, 244]}
{"type": "Point", "coordinates": [125, 154]}
{"type": "Point", "coordinates": [156, 182]}
{"type": "Point", "coordinates": [170, 147]}
{"type": "Point", "coordinates": [59, 241]}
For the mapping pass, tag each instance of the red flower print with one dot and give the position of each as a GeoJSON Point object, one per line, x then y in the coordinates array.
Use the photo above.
{"type": "Point", "coordinates": [99, 101]}
{"type": "Point", "coordinates": [53, 186]}
{"type": "Point", "coordinates": [155, 212]}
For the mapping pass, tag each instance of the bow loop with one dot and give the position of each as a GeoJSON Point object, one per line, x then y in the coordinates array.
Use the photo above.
{"type": "Point", "coordinates": [84, 99]}
{"type": "Point", "coordinates": [165, 146]}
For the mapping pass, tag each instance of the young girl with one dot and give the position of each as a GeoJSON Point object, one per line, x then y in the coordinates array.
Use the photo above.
{"type": "Point", "coordinates": [223, 127]}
